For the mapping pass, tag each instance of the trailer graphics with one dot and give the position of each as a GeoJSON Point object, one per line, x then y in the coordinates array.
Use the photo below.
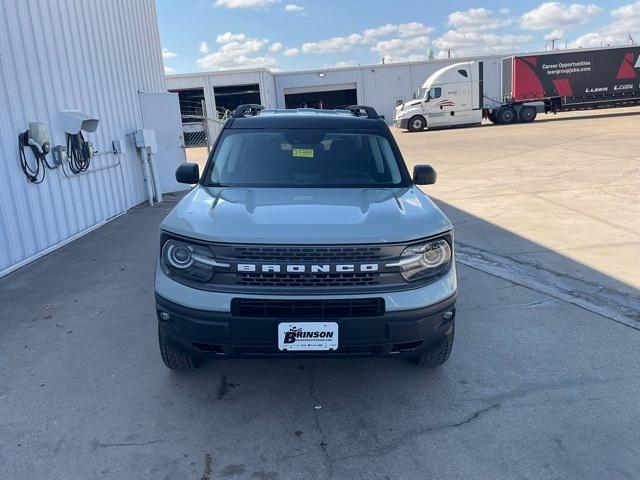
{"type": "Point", "coordinates": [578, 77]}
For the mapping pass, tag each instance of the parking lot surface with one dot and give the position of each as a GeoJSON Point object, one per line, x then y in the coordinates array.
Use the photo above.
{"type": "Point", "coordinates": [539, 385]}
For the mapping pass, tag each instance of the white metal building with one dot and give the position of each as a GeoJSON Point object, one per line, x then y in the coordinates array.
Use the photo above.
{"type": "Point", "coordinates": [93, 57]}
{"type": "Point", "coordinates": [380, 86]}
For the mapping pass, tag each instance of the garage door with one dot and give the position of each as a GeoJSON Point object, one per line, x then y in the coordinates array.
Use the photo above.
{"type": "Point", "coordinates": [321, 96]}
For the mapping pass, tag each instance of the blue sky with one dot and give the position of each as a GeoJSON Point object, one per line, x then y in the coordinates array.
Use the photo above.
{"type": "Point", "coordinates": [208, 35]}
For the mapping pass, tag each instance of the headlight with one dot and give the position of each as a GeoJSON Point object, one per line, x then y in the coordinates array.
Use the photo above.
{"type": "Point", "coordinates": [424, 260]}
{"type": "Point", "coordinates": [187, 260]}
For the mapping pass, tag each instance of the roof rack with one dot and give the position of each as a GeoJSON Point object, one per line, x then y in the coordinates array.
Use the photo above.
{"type": "Point", "coordinates": [370, 111]}
{"type": "Point", "coordinates": [251, 108]}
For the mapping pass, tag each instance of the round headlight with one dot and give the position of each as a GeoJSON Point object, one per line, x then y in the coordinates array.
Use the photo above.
{"type": "Point", "coordinates": [188, 260]}
{"type": "Point", "coordinates": [425, 260]}
{"type": "Point", "coordinates": [179, 256]}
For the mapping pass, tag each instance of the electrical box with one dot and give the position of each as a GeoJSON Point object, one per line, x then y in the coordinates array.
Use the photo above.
{"type": "Point", "coordinates": [146, 139]}
{"type": "Point", "coordinates": [73, 121]}
{"type": "Point", "coordinates": [39, 133]}
{"type": "Point", "coordinates": [59, 154]}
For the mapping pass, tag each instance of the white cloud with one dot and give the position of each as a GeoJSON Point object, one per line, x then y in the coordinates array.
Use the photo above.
{"type": "Point", "coordinates": [366, 37]}
{"type": "Point", "coordinates": [401, 46]}
{"type": "Point", "coordinates": [237, 51]}
{"type": "Point", "coordinates": [275, 47]}
{"type": "Point", "coordinates": [227, 37]}
{"type": "Point", "coordinates": [203, 48]}
{"type": "Point", "coordinates": [554, 35]}
{"type": "Point", "coordinates": [558, 15]}
{"type": "Point", "coordinates": [166, 53]}
{"type": "Point", "coordinates": [476, 19]}
{"type": "Point", "coordinates": [293, 8]}
{"type": "Point", "coordinates": [471, 43]}
{"type": "Point", "coordinates": [626, 22]}
{"type": "Point", "coordinates": [244, 3]}
{"type": "Point", "coordinates": [413, 29]}
{"type": "Point", "coordinates": [168, 70]}
{"type": "Point", "coordinates": [291, 52]}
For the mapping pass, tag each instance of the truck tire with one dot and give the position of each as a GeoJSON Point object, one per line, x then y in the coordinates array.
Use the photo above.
{"type": "Point", "coordinates": [506, 115]}
{"type": "Point", "coordinates": [527, 114]}
{"type": "Point", "coordinates": [416, 123]}
{"type": "Point", "coordinates": [437, 355]}
{"type": "Point", "coordinates": [175, 359]}
{"type": "Point", "coordinates": [492, 116]}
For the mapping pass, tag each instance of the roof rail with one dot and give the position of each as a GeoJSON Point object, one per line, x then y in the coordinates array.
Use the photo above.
{"type": "Point", "coordinates": [251, 108]}
{"type": "Point", "coordinates": [370, 111]}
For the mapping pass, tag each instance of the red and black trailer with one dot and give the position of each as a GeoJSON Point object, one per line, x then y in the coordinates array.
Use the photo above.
{"type": "Point", "coordinates": [567, 80]}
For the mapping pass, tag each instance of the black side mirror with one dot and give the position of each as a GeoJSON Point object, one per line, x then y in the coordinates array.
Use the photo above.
{"type": "Point", "coordinates": [424, 175]}
{"type": "Point", "coordinates": [188, 173]}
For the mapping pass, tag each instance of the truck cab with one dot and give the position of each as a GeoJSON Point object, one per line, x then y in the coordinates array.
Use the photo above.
{"type": "Point", "coordinates": [450, 97]}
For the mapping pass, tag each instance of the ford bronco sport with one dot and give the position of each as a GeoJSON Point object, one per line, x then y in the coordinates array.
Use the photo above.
{"type": "Point", "coordinates": [305, 235]}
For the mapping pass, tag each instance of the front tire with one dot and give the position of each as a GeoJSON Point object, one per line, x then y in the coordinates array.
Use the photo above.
{"type": "Point", "coordinates": [436, 356]}
{"type": "Point", "coordinates": [175, 359]}
{"type": "Point", "coordinates": [417, 123]}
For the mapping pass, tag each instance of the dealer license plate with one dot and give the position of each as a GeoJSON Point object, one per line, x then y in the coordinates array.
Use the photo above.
{"type": "Point", "coordinates": [307, 336]}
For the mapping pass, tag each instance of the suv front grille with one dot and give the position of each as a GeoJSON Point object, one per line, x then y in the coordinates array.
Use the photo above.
{"type": "Point", "coordinates": [307, 280]}
{"type": "Point", "coordinates": [306, 254]}
{"type": "Point", "coordinates": [359, 307]}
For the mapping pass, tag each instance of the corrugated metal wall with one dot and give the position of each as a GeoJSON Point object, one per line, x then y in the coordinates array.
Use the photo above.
{"type": "Point", "coordinates": [89, 55]}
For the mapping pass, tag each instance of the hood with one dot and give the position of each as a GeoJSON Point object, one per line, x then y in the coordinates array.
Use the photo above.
{"type": "Point", "coordinates": [411, 103]}
{"type": "Point", "coordinates": [306, 215]}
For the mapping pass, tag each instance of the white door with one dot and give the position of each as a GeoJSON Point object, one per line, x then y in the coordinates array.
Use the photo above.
{"type": "Point", "coordinates": [438, 108]}
{"type": "Point", "coordinates": [161, 113]}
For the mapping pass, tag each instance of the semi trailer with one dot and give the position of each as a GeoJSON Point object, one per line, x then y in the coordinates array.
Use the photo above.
{"type": "Point", "coordinates": [547, 82]}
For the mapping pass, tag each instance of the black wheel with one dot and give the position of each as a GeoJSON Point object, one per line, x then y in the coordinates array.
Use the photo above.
{"type": "Point", "coordinates": [417, 123]}
{"type": "Point", "coordinates": [437, 356]}
{"type": "Point", "coordinates": [528, 114]}
{"type": "Point", "coordinates": [492, 116]}
{"type": "Point", "coordinates": [507, 115]}
{"type": "Point", "coordinates": [175, 359]}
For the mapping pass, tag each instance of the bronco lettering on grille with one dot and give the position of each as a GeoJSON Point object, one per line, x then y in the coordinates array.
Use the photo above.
{"type": "Point", "coordinates": [308, 268]}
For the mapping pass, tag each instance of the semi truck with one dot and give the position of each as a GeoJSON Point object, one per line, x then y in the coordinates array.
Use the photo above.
{"type": "Point", "coordinates": [548, 82]}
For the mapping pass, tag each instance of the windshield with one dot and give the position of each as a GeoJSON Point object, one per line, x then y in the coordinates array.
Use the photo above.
{"type": "Point", "coordinates": [422, 94]}
{"type": "Point", "coordinates": [304, 158]}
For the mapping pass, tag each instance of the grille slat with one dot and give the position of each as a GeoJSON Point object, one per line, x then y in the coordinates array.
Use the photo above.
{"type": "Point", "coordinates": [307, 280]}
{"type": "Point", "coordinates": [307, 254]}
{"type": "Point", "coordinates": [360, 307]}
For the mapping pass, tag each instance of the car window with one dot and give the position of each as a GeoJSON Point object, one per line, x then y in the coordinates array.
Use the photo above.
{"type": "Point", "coordinates": [304, 157]}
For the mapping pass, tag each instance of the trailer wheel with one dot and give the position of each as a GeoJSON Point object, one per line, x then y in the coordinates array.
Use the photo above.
{"type": "Point", "coordinates": [527, 114]}
{"type": "Point", "coordinates": [507, 115]}
{"type": "Point", "coordinates": [417, 123]}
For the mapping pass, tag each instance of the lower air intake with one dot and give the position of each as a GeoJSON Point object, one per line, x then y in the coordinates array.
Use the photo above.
{"type": "Point", "coordinates": [362, 307]}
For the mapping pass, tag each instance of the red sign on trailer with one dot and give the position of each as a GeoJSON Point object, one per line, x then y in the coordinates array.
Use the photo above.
{"type": "Point", "coordinates": [575, 76]}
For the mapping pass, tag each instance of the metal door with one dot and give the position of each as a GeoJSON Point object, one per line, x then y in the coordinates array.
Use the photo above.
{"type": "Point", "coordinates": [161, 113]}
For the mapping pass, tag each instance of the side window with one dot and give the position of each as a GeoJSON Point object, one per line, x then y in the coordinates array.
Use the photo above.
{"type": "Point", "coordinates": [463, 73]}
{"type": "Point", "coordinates": [435, 92]}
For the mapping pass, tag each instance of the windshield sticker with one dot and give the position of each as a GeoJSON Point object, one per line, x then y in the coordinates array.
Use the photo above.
{"type": "Point", "coordinates": [303, 152]}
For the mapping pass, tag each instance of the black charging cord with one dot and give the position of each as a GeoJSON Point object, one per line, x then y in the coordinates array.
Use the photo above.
{"type": "Point", "coordinates": [79, 152]}
{"type": "Point", "coordinates": [34, 174]}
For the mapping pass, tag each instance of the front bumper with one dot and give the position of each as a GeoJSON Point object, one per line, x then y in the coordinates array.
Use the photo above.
{"type": "Point", "coordinates": [219, 334]}
{"type": "Point", "coordinates": [402, 123]}
{"type": "Point", "coordinates": [201, 322]}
